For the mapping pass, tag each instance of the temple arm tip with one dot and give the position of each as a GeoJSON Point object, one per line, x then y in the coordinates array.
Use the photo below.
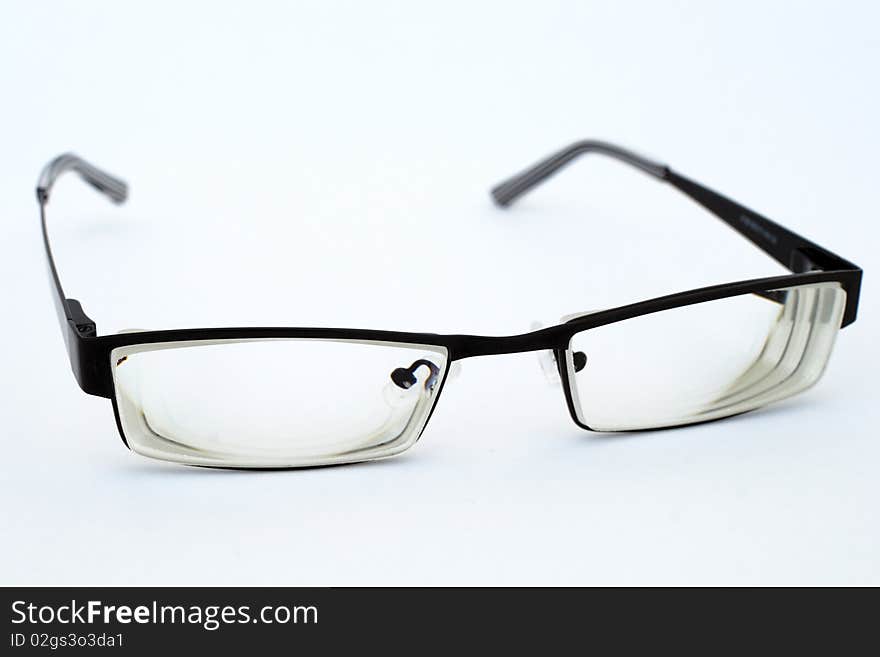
{"type": "Point", "coordinates": [115, 189]}
{"type": "Point", "coordinates": [502, 195]}
{"type": "Point", "coordinates": [111, 186]}
{"type": "Point", "coordinates": [508, 191]}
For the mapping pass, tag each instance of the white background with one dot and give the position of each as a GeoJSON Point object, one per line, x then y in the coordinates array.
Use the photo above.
{"type": "Point", "coordinates": [328, 164]}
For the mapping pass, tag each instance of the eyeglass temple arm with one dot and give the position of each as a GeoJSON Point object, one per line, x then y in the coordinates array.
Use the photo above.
{"type": "Point", "coordinates": [792, 251]}
{"type": "Point", "coordinates": [75, 324]}
{"type": "Point", "coordinates": [112, 186]}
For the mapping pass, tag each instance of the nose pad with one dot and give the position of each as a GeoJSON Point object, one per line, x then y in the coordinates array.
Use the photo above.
{"type": "Point", "coordinates": [405, 377]}
{"type": "Point", "coordinates": [548, 362]}
{"type": "Point", "coordinates": [454, 370]}
{"type": "Point", "coordinates": [547, 359]}
{"type": "Point", "coordinates": [399, 392]}
{"type": "Point", "coordinates": [551, 367]}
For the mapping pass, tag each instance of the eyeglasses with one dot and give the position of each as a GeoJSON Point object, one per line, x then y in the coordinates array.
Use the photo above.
{"type": "Point", "coordinates": [258, 397]}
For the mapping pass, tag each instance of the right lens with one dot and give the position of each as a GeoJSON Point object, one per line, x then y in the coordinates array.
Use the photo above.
{"type": "Point", "coordinates": [275, 402]}
{"type": "Point", "coordinates": [703, 361]}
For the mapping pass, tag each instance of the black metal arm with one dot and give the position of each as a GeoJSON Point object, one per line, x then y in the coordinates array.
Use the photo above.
{"type": "Point", "coordinates": [75, 324]}
{"type": "Point", "coordinates": [792, 251]}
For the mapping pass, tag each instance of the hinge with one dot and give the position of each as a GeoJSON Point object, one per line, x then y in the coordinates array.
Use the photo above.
{"type": "Point", "coordinates": [84, 325]}
{"type": "Point", "coordinates": [815, 259]}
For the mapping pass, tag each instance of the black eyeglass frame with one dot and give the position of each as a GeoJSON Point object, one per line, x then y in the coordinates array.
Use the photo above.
{"type": "Point", "coordinates": [90, 353]}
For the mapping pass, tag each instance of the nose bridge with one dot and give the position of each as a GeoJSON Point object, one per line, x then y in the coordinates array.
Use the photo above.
{"type": "Point", "coordinates": [468, 346]}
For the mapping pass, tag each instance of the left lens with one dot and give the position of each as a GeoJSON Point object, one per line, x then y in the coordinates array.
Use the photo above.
{"type": "Point", "coordinates": [275, 402]}
{"type": "Point", "coordinates": [703, 361]}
